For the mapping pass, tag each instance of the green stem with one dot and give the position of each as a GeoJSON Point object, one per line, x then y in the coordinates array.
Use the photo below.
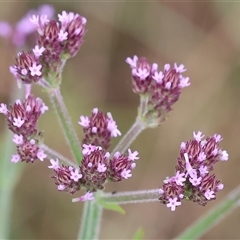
{"type": "Point", "coordinates": [63, 116]}
{"type": "Point", "coordinates": [91, 221]}
{"type": "Point", "coordinates": [130, 136]}
{"type": "Point", "coordinates": [132, 197]}
{"type": "Point", "coordinates": [213, 217]}
{"type": "Point", "coordinates": [53, 154]}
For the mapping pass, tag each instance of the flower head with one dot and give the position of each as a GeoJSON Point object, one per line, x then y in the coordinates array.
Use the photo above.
{"type": "Point", "coordinates": [22, 118]}
{"type": "Point", "coordinates": [158, 90]}
{"type": "Point", "coordinates": [99, 128]}
{"type": "Point", "coordinates": [121, 166]}
{"type": "Point", "coordinates": [193, 180]}
{"type": "Point", "coordinates": [27, 67]}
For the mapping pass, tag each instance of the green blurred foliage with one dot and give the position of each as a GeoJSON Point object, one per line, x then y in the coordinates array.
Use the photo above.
{"type": "Point", "coordinates": [205, 36]}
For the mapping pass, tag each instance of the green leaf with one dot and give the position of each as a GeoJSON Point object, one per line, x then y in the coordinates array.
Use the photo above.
{"type": "Point", "coordinates": [111, 206]}
{"type": "Point", "coordinates": [139, 234]}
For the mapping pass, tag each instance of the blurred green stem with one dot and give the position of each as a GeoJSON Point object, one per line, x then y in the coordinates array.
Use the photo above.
{"type": "Point", "coordinates": [65, 122]}
{"type": "Point", "coordinates": [213, 217]}
{"type": "Point", "coordinates": [132, 197]}
{"type": "Point", "coordinates": [91, 221]}
{"type": "Point", "coordinates": [130, 136]}
{"type": "Point", "coordinates": [9, 175]}
{"type": "Point", "coordinates": [54, 154]}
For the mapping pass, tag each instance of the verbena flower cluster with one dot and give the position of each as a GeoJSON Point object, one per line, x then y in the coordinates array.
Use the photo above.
{"type": "Point", "coordinates": [193, 180]}
{"type": "Point", "coordinates": [159, 90]}
{"type": "Point", "coordinates": [97, 165]}
{"type": "Point", "coordinates": [22, 119]}
{"type": "Point", "coordinates": [55, 42]}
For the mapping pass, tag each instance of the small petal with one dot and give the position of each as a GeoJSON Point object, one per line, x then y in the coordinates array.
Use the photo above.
{"type": "Point", "coordinates": [55, 164]}
{"type": "Point", "coordinates": [15, 158]}
{"type": "Point", "coordinates": [41, 155]}
{"type": "Point", "coordinates": [35, 69]}
{"type": "Point", "coordinates": [3, 108]}
{"type": "Point", "coordinates": [132, 62]}
{"type": "Point", "coordinates": [179, 178]}
{"type": "Point", "coordinates": [195, 180]}
{"type": "Point", "coordinates": [62, 35]}
{"type": "Point", "coordinates": [203, 170]}
{"type": "Point", "coordinates": [132, 156]}
{"type": "Point", "coordinates": [17, 139]}
{"type": "Point", "coordinates": [173, 203]}
{"type": "Point", "coordinates": [158, 77]}
{"type": "Point", "coordinates": [223, 155]}
{"type": "Point", "coordinates": [34, 19]}
{"type": "Point", "coordinates": [126, 173]}
{"type": "Point", "coordinates": [220, 186]}
{"type": "Point", "coordinates": [84, 121]}
{"type": "Point", "coordinates": [38, 51]}
{"type": "Point", "coordinates": [75, 175]}
{"type": "Point", "coordinates": [180, 69]}
{"type": "Point", "coordinates": [87, 197]}
{"type": "Point", "coordinates": [209, 194]}
{"type": "Point", "coordinates": [18, 122]}
{"type": "Point", "coordinates": [101, 167]}
{"type": "Point", "coordinates": [202, 156]}
{"type": "Point", "coordinates": [61, 187]}
{"type": "Point", "coordinates": [198, 136]}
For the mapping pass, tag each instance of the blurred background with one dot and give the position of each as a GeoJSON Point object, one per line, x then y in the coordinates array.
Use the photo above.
{"type": "Point", "coordinates": [205, 37]}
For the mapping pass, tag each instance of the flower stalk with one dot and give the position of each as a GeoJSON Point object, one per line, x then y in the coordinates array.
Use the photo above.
{"type": "Point", "coordinates": [130, 136]}
{"type": "Point", "coordinates": [65, 122]}
{"type": "Point", "coordinates": [132, 197]}
{"type": "Point", "coordinates": [91, 221]}
{"type": "Point", "coordinates": [54, 154]}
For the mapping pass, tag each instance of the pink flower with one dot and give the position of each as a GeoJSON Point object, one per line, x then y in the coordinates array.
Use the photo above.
{"type": "Point", "coordinates": [173, 203]}
{"type": "Point", "coordinates": [35, 69]}
{"type": "Point", "coordinates": [15, 158]}
{"type": "Point", "coordinates": [87, 197]}
{"type": "Point", "coordinates": [55, 164]}
{"type": "Point", "coordinates": [75, 175]}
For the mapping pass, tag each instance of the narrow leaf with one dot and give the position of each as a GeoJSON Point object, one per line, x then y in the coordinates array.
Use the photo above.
{"type": "Point", "coordinates": [111, 206]}
{"type": "Point", "coordinates": [139, 234]}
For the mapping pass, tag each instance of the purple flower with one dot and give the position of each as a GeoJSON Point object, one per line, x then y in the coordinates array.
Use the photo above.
{"type": "Point", "coordinates": [158, 90]}
{"type": "Point", "coordinates": [99, 128]}
{"type": "Point", "coordinates": [55, 164]}
{"type": "Point", "coordinates": [192, 180]}
{"type": "Point", "coordinates": [87, 197]}
{"type": "Point", "coordinates": [173, 203]}
{"type": "Point", "coordinates": [22, 119]}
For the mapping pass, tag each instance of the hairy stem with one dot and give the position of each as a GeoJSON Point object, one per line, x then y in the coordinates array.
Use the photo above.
{"type": "Point", "coordinates": [132, 197]}
{"type": "Point", "coordinates": [54, 154]}
{"type": "Point", "coordinates": [64, 118]}
{"type": "Point", "coordinates": [91, 221]}
{"type": "Point", "coordinates": [130, 136]}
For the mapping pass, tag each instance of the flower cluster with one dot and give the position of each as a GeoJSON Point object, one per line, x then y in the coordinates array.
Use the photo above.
{"type": "Point", "coordinates": [56, 41]}
{"type": "Point", "coordinates": [22, 119]}
{"type": "Point", "coordinates": [159, 90]}
{"type": "Point", "coordinates": [193, 180]}
{"type": "Point", "coordinates": [96, 168]}
{"type": "Point", "coordinates": [97, 165]}
{"type": "Point", "coordinates": [99, 128]}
